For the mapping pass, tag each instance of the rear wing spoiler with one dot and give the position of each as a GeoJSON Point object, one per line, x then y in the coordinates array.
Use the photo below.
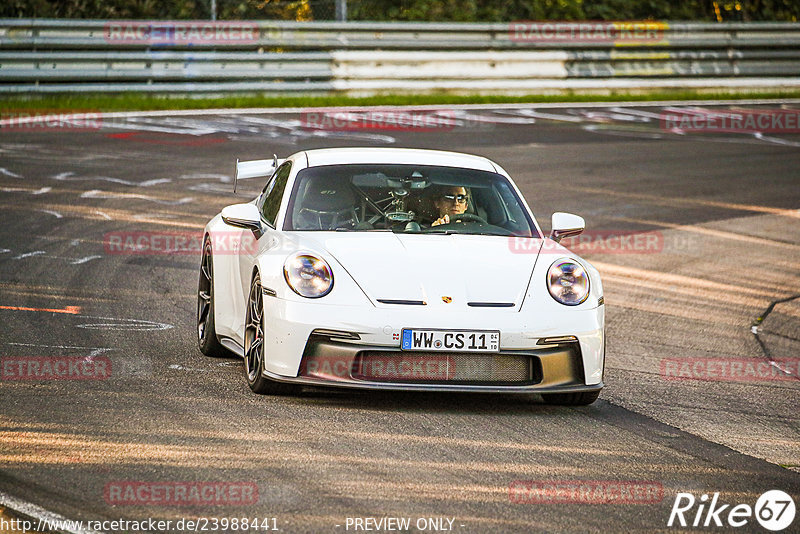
{"type": "Point", "coordinates": [255, 168]}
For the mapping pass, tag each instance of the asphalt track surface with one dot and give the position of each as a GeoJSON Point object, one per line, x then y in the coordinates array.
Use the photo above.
{"type": "Point", "coordinates": [723, 208]}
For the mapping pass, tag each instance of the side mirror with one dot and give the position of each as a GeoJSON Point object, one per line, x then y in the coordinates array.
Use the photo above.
{"type": "Point", "coordinates": [565, 225]}
{"type": "Point", "coordinates": [243, 216]}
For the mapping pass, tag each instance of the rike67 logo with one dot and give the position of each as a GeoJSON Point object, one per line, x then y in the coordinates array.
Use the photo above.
{"type": "Point", "coordinates": [774, 510]}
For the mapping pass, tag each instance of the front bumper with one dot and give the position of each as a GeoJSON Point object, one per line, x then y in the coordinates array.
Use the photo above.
{"type": "Point", "coordinates": [290, 345]}
{"type": "Point", "coordinates": [330, 362]}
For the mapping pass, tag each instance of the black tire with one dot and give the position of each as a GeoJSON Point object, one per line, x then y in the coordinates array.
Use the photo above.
{"type": "Point", "coordinates": [254, 347]}
{"type": "Point", "coordinates": [206, 331]}
{"type": "Point", "coordinates": [581, 398]}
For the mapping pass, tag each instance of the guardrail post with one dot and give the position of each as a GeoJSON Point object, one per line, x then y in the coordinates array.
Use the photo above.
{"type": "Point", "coordinates": [341, 10]}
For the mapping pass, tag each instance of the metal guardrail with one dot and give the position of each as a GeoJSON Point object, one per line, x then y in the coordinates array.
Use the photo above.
{"type": "Point", "coordinates": [84, 55]}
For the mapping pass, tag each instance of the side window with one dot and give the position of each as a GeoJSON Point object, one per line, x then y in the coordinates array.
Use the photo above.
{"type": "Point", "coordinates": [274, 193]}
{"type": "Point", "coordinates": [517, 220]}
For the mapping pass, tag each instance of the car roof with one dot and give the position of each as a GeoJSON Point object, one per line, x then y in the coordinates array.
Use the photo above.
{"type": "Point", "coordinates": [344, 156]}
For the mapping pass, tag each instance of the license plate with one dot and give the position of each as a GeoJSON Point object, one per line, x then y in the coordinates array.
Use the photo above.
{"type": "Point", "coordinates": [451, 340]}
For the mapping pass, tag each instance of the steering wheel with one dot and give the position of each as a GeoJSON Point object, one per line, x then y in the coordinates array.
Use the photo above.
{"type": "Point", "coordinates": [467, 217]}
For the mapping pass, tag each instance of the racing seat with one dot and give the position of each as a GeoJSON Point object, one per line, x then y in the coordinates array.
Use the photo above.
{"type": "Point", "coordinates": [475, 210]}
{"type": "Point", "coordinates": [326, 205]}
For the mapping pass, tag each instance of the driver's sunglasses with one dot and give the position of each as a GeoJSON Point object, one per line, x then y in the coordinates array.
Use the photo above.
{"type": "Point", "coordinates": [461, 199]}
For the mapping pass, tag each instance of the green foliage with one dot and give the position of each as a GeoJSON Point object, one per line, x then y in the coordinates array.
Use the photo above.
{"type": "Point", "coordinates": [465, 10]}
{"type": "Point", "coordinates": [411, 10]}
{"type": "Point", "coordinates": [140, 102]}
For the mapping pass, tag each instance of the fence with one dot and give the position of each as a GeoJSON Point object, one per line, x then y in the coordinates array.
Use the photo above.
{"type": "Point", "coordinates": [45, 56]}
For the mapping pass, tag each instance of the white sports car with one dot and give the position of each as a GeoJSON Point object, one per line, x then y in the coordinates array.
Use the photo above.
{"type": "Point", "coordinates": [399, 269]}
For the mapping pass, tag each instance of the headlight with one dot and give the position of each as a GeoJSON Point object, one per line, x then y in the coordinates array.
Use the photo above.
{"type": "Point", "coordinates": [568, 282]}
{"type": "Point", "coordinates": [308, 275]}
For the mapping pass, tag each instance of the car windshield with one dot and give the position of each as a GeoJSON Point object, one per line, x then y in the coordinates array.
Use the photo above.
{"type": "Point", "coordinates": [408, 199]}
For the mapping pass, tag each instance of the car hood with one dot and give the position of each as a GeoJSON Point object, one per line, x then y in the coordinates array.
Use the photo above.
{"type": "Point", "coordinates": [430, 267]}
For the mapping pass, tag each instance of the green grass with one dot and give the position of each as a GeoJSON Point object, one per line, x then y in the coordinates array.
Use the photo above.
{"type": "Point", "coordinates": [146, 102]}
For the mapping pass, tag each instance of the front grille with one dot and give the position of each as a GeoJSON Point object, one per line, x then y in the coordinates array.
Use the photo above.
{"type": "Point", "coordinates": [443, 367]}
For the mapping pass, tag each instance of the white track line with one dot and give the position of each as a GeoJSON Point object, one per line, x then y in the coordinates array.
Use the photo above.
{"type": "Point", "coordinates": [6, 172]}
{"type": "Point", "coordinates": [44, 517]}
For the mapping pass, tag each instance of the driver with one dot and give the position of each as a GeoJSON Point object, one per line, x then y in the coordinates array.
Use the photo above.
{"type": "Point", "coordinates": [449, 202]}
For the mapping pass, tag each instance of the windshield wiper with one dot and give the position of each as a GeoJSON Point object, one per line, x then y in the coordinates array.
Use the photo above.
{"type": "Point", "coordinates": [437, 232]}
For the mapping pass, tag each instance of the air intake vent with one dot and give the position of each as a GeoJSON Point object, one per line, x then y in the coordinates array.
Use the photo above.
{"type": "Point", "coordinates": [491, 304]}
{"type": "Point", "coordinates": [444, 368]}
{"type": "Point", "coordinates": [403, 302]}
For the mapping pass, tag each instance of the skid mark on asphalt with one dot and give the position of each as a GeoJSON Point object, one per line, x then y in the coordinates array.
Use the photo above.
{"type": "Point", "coordinates": [32, 191]}
{"type": "Point", "coordinates": [93, 351]}
{"type": "Point", "coordinates": [166, 139]}
{"type": "Point", "coordinates": [677, 309]}
{"type": "Point", "coordinates": [297, 129]}
{"type": "Point", "coordinates": [96, 193]}
{"type": "Point", "coordinates": [470, 117]}
{"type": "Point", "coordinates": [85, 259]}
{"type": "Point", "coordinates": [241, 125]}
{"type": "Point", "coordinates": [167, 125]}
{"type": "Point", "coordinates": [776, 140]}
{"type": "Point", "coordinates": [155, 216]}
{"type": "Point", "coordinates": [51, 296]}
{"type": "Point", "coordinates": [211, 188]}
{"type": "Point", "coordinates": [183, 368]}
{"type": "Point", "coordinates": [541, 115]}
{"type": "Point", "coordinates": [447, 441]}
{"type": "Point", "coordinates": [224, 178]}
{"type": "Point", "coordinates": [620, 121]}
{"type": "Point", "coordinates": [72, 310]}
{"type": "Point", "coordinates": [644, 277]}
{"type": "Point", "coordinates": [639, 134]}
{"type": "Point", "coordinates": [712, 232]}
{"type": "Point", "coordinates": [29, 254]}
{"type": "Point", "coordinates": [53, 448]}
{"type": "Point", "coordinates": [105, 323]}
{"type": "Point", "coordinates": [86, 293]}
{"type": "Point", "coordinates": [87, 212]}
{"type": "Point", "coordinates": [44, 255]}
{"type": "Point", "coordinates": [686, 201]}
{"type": "Point", "coordinates": [53, 213]}
{"type": "Point", "coordinates": [71, 177]}
{"type": "Point", "coordinates": [115, 323]}
{"type": "Point", "coordinates": [663, 289]}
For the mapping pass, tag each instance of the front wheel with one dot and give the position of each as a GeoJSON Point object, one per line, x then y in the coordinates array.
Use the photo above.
{"type": "Point", "coordinates": [206, 330]}
{"type": "Point", "coordinates": [254, 346]}
{"type": "Point", "coordinates": [581, 398]}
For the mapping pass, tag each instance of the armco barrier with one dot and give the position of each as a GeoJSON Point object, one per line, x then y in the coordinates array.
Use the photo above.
{"type": "Point", "coordinates": [45, 56]}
